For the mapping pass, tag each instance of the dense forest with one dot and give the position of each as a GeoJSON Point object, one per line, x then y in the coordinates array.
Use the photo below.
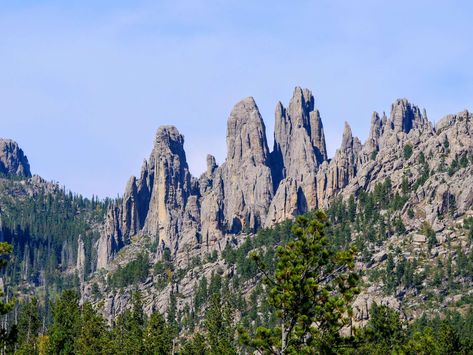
{"type": "Point", "coordinates": [302, 303]}
{"type": "Point", "coordinates": [291, 288]}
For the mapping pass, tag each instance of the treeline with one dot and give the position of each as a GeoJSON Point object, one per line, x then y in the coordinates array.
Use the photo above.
{"type": "Point", "coordinates": [308, 290]}
{"type": "Point", "coordinates": [44, 229]}
{"type": "Point", "coordinates": [80, 329]}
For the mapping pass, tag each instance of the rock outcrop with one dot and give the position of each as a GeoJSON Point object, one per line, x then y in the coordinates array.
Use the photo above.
{"type": "Point", "coordinates": [299, 149]}
{"type": "Point", "coordinates": [254, 187]}
{"type": "Point", "coordinates": [155, 203]}
{"type": "Point", "coordinates": [13, 162]}
{"type": "Point", "coordinates": [246, 174]}
{"type": "Point", "coordinates": [428, 171]}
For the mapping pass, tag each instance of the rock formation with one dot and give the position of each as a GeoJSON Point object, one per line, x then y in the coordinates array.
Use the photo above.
{"type": "Point", "coordinates": [254, 187]}
{"type": "Point", "coordinates": [12, 159]}
{"type": "Point", "coordinates": [299, 148]}
{"type": "Point", "coordinates": [155, 203]}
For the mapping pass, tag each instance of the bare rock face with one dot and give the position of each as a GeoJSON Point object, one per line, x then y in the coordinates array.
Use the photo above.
{"type": "Point", "coordinates": [111, 239]}
{"type": "Point", "coordinates": [254, 187]}
{"type": "Point", "coordinates": [405, 117]}
{"type": "Point", "coordinates": [335, 175]}
{"type": "Point", "coordinates": [155, 203]}
{"type": "Point", "coordinates": [241, 188]}
{"type": "Point", "coordinates": [247, 180]}
{"type": "Point", "coordinates": [169, 186]}
{"type": "Point", "coordinates": [12, 159]}
{"type": "Point", "coordinates": [81, 259]}
{"type": "Point", "coordinates": [376, 131]}
{"type": "Point", "coordinates": [299, 148]}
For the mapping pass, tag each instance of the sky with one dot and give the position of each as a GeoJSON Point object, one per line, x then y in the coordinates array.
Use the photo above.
{"type": "Point", "coordinates": [84, 85]}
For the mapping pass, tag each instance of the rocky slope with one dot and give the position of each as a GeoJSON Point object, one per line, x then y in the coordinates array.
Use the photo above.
{"type": "Point", "coordinates": [255, 187]}
{"type": "Point", "coordinates": [167, 213]}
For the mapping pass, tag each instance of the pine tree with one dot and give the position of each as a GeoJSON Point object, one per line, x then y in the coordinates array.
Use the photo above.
{"type": "Point", "coordinates": [220, 331]}
{"type": "Point", "coordinates": [65, 330]}
{"type": "Point", "coordinates": [383, 333]}
{"type": "Point", "coordinates": [7, 337]}
{"type": "Point", "coordinates": [29, 325]}
{"type": "Point", "coordinates": [92, 337]}
{"type": "Point", "coordinates": [195, 346]}
{"type": "Point", "coordinates": [129, 329]}
{"type": "Point", "coordinates": [312, 290]}
{"type": "Point", "coordinates": [158, 339]}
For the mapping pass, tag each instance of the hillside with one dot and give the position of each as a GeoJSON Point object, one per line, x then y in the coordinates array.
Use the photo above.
{"type": "Point", "coordinates": [404, 198]}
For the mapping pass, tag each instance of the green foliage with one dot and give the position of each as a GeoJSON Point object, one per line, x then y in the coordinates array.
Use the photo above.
{"type": "Point", "coordinates": [5, 250]}
{"type": "Point", "coordinates": [163, 270]}
{"type": "Point", "coordinates": [43, 229]}
{"type": "Point", "coordinates": [383, 333]}
{"type": "Point", "coordinates": [427, 230]}
{"type": "Point", "coordinates": [135, 271]}
{"type": "Point", "coordinates": [128, 331]}
{"type": "Point", "coordinates": [29, 325]}
{"type": "Point", "coordinates": [219, 326]}
{"type": "Point", "coordinates": [407, 151]}
{"type": "Point", "coordinates": [195, 346]}
{"type": "Point", "coordinates": [200, 295]}
{"type": "Point", "coordinates": [93, 330]}
{"type": "Point", "coordinates": [65, 328]}
{"type": "Point", "coordinates": [157, 337]}
{"type": "Point", "coordinates": [312, 289]}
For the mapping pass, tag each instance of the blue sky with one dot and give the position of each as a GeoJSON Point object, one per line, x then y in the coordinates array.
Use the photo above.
{"type": "Point", "coordinates": [84, 84]}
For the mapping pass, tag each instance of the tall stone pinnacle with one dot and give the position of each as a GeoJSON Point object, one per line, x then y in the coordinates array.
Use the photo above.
{"type": "Point", "coordinates": [12, 159]}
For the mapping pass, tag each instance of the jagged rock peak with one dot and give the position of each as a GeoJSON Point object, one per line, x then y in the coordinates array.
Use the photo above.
{"type": "Point", "coordinates": [211, 164]}
{"type": "Point", "coordinates": [301, 104]}
{"type": "Point", "coordinates": [246, 133]}
{"type": "Point", "coordinates": [168, 137]}
{"type": "Point", "coordinates": [318, 136]}
{"type": "Point", "coordinates": [246, 174]}
{"type": "Point", "coordinates": [299, 149]}
{"type": "Point", "coordinates": [12, 159]}
{"type": "Point", "coordinates": [347, 139]}
{"type": "Point", "coordinates": [376, 131]}
{"type": "Point", "coordinates": [405, 116]}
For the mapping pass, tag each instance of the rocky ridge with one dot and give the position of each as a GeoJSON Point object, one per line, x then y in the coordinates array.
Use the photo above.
{"type": "Point", "coordinates": [255, 187]}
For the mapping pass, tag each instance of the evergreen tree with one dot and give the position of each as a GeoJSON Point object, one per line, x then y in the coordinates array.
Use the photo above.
{"type": "Point", "coordinates": [129, 329]}
{"type": "Point", "coordinates": [29, 325]}
{"type": "Point", "coordinates": [195, 346]}
{"type": "Point", "coordinates": [383, 333]}
{"type": "Point", "coordinates": [219, 326]}
{"type": "Point", "coordinates": [312, 289]}
{"type": "Point", "coordinates": [158, 339]}
{"type": "Point", "coordinates": [65, 330]}
{"type": "Point", "coordinates": [7, 337]}
{"type": "Point", "coordinates": [92, 337]}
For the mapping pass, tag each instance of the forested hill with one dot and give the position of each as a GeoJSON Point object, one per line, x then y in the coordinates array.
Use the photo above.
{"type": "Point", "coordinates": [179, 255]}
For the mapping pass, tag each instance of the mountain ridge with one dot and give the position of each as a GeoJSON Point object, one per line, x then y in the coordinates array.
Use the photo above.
{"type": "Point", "coordinates": [293, 178]}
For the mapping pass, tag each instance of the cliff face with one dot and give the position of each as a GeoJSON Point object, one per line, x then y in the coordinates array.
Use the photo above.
{"type": "Point", "coordinates": [154, 204]}
{"type": "Point", "coordinates": [255, 187]}
{"type": "Point", "coordinates": [13, 162]}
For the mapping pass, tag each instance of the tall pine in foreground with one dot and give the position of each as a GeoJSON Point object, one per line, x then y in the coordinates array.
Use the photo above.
{"type": "Point", "coordinates": [312, 289]}
{"type": "Point", "coordinates": [29, 325]}
{"type": "Point", "coordinates": [65, 330]}
{"type": "Point", "coordinates": [92, 338]}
